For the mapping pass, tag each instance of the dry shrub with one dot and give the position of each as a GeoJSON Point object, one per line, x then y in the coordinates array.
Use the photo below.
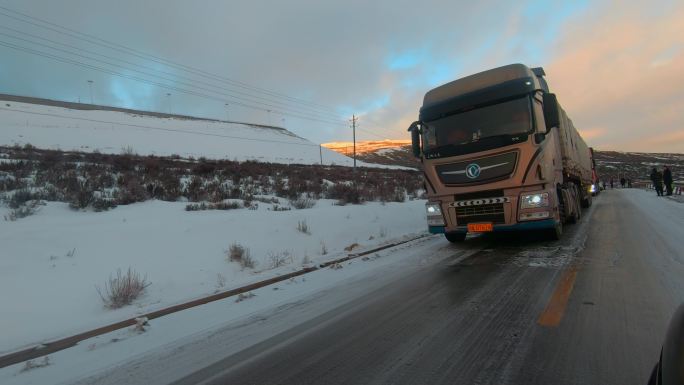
{"type": "Point", "coordinates": [30, 208]}
{"type": "Point", "coordinates": [279, 208]}
{"type": "Point", "coordinates": [243, 296]}
{"type": "Point", "coordinates": [139, 178]}
{"type": "Point", "coordinates": [20, 197]}
{"type": "Point", "coordinates": [212, 206]}
{"type": "Point", "coordinates": [123, 288]}
{"type": "Point", "coordinates": [80, 195]}
{"type": "Point", "coordinates": [238, 253]}
{"type": "Point", "coordinates": [132, 191]}
{"type": "Point", "coordinates": [302, 227]}
{"type": "Point", "coordinates": [345, 194]}
{"type": "Point", "coordinates": [220, 281]}
{"type": "Point", "coordinates": [351, 247]}
{"type": "Point", "coordinates": [279, 259]}
{"type": "Point", "coordinates": [302, 203]}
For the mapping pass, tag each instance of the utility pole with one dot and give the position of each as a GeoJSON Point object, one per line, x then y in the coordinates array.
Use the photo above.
{"type": "Point", "coordinates": [353, 120]}
{"type": "Point", "coordinates": [90, 85]}
{"type": "Point", "coordinates": [320, 152]}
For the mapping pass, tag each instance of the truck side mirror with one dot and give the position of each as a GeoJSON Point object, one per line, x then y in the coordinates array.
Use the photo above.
{"type": "Point", "coordinates": [415, 138]}
{"type": "Point", "coordinates": [551, 115]}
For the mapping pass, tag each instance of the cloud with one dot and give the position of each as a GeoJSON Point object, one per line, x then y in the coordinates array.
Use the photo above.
{"type": "Point", "coordinates": [620, 67]}
{"type": "Point", "coordinates": [613, 65]}
{"type": "Point", "coordinates": [592, 133]}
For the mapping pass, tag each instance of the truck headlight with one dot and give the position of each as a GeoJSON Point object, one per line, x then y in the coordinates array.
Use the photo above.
{"type": "Point", "coordinates": [434, 214]}
{"type": "Point", "coordinates": [533, 201]}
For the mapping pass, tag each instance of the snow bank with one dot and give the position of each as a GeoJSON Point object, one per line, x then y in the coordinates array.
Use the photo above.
{"type": "Point", "coordinates": [52, 261]}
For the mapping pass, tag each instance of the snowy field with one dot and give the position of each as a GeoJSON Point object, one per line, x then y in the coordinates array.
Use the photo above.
{"type": "Point", "coordinates": [190, 337]}
{"type": "Point", "coordinates": [113, 132]}
{"type": "Point", "coordinates": [52, 261]}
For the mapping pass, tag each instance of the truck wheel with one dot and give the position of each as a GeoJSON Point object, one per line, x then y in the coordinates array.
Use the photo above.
{"type": "Point", "coordinates": [556, 232]}
{"type": "Point", "coordinates": [586, 202]}
{"type": "Point", "coordinates": [455, 237]}
{"type": "Point", "coordinates": [575, 217]}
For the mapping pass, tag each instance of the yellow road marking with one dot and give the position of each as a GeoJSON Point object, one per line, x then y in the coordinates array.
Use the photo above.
{"type": "Point", "coordinates": [553, 314]}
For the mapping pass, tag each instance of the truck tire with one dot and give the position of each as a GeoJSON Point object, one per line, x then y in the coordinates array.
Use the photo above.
{"type": "Point", "coordinates": [577, 214]}
{"type": "Point", "coordinates": [556, 232]}
{"type": "Point", "coordinates": [586, 202]}
{"type": "Point", "coordinates": [455, 237]}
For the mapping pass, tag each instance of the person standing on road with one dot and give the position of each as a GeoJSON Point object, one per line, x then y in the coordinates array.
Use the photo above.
{"type": "Point", "coordinates": [667, 178]}
{"type": "Point", "coordinates": [611, 183]}
{"type": "Point", "coordinates": [623, 181]}
{"type": "Point", "coordinates": [657, 179]}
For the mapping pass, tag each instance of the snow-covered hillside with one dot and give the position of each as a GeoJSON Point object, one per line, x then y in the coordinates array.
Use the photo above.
{"type": "Point", "coordinates": [109, 131]}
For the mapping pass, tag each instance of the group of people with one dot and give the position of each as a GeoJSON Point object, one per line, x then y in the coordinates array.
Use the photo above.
{"type": "Point", "coordinates": [624, 182]}
{"type": "Point", "coordinates": [660, 177]}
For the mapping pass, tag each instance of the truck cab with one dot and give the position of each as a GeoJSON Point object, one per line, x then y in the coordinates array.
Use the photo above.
{"type": "Point", "coordinates": [499, 154]}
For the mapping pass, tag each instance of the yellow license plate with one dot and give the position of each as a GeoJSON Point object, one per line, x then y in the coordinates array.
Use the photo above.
{"type": "Point", "coordinates": [480, 227]}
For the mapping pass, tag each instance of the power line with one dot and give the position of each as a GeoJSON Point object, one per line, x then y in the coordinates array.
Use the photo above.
{"type": "Point", "coordinates": [149, 74]}
{"type": "Point", "coordinates": [189, 92]}
{"type": "Point", "coordinates": [284, 104]}
{"type": "Point", "coordinates": [130, 51]}
{"type": "Point", "coordinates": [159, 128]}
{"type": "Point", "coordinates": [355, 120]}
{"type": "Point", "coordinates": [121, 48]}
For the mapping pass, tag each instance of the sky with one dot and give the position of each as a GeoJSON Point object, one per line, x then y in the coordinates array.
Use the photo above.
{"type": "Point", "coordinates": [617, 67]}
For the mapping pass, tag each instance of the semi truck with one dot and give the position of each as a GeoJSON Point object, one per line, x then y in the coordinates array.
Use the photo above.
{"type": "Point", "coordinates": [499, 153]}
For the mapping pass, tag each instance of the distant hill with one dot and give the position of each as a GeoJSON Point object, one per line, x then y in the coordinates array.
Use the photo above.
{"type": "Point", "coordinates": [67, 126]}
{"type": "Point", "coordinates": [388, 152]}
{"type": "Point", "coordinates": [634, 165]}
{"type": "Point", "coordinates": [637, 165]}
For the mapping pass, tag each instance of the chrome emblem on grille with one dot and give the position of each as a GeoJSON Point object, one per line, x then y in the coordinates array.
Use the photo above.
{"type": "Point", "coordinates": [472, 171]}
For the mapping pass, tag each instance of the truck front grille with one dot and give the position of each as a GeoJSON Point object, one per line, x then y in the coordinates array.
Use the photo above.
{"type": "Point", "coordinates": [483, 213]}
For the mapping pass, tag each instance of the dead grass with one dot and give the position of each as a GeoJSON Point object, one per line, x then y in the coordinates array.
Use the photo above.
{"type": "Point", "coordinates": [302, 203]}
{"type": "Point", "coordinates": [279, 259]}
{"type": "Point", "coordinates": [302, 227]}
{"type": "Point", "coordinates": [123, 288]}
{"type": "Point", "coordinates": [351, 247]}
{"type": "Point", "coordinates": [79, 178]}
{"type": "Point", "coordinates": [238, 253]}
{"type": "Point", "coordinates": [27, 209]}
{"type": "Point", "coordinates": [244, 296]}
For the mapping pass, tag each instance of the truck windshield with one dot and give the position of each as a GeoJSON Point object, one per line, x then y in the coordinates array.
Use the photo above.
{"type": "Point", "coordinates": [507, 118]}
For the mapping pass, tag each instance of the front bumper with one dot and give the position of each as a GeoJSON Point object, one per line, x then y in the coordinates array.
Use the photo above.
{"type": "Point", "coordinates": [522, 226]}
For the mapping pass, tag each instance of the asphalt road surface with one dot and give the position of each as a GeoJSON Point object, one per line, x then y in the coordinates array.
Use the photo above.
{"type": "Point", "coordinates": [590, 309]}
